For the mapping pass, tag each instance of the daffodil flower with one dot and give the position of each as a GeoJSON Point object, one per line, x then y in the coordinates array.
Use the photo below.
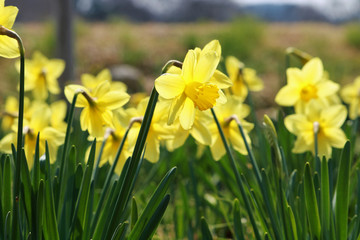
{"type": "Point", "coordinates": [10, 113]}
{"type": "Point", "coordinates": [350, 93]}
{"type": "Point", "coordinates": [159, 131]}
{"type": "Point", "coordinates": [41, 75]}
{"type": "Point", "coordinates": [39, 123]}
{"type": "Point", "coordinates": [97, 105]}
{"type": "Point", "coordinates": [305, 85]}
{"type": "Point", "coordinates": [200, 131]}
{"type": "Point", "coordinates": [8, 46]}
{"type": "Point", "coordinates": [326, 120]}
{"type": "Point", "coordinates": [197, 86]}
{"type": "Point", "coordinates": [224, 113]}
{"type": "Point", "coordinates": [243, 79]}
{"type": "Point", "coordinates": [90, 82]}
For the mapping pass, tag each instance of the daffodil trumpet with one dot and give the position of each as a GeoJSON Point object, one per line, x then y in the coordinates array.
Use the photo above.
{"type": "Point", "coordinates": [14, 35]}
{"type": "Point", "coordinates": [237, 176]}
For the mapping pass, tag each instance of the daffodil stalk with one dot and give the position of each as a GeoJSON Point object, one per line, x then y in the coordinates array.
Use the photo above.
{"type": "Point", "coordinates": [237, 176]}
{"type": "Point", "coordinates": [14, 35]}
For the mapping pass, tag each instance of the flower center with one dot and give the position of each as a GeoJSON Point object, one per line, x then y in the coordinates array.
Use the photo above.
{"type": "Point", "coordinates": [308, 92]}
{"type": "Point", "coordinates": [203, 95]}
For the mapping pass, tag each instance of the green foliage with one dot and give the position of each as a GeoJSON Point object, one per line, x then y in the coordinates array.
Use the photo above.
{"type": "Point", "coordinates": [353, 35]}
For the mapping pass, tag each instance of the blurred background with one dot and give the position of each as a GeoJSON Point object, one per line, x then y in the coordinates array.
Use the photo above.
{"type": "Point", "coordinates": [135, 38]}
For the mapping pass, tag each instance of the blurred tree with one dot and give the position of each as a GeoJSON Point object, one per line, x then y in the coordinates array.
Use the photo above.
{"type": "Point", "coordinates": [65, 38]}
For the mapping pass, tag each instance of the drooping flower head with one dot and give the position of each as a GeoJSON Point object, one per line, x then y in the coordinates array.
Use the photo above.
{"type": "Point", "coordinates": [305, 85]}
{"type": "Point", "coordinates": [243, 78]}
{"type": "Point", "coordinates": [196, 87]}
{"type": "Point", "coordinates": [233, 107]}
{"type": "Point", "coordinates": [8, 46]}
{"type": "Point", "coordinates": [41, 75]}
{"type": "Point", "coordinates": [97, 105]}
{"type": "Point", "coordinates": [326, 120]}
{"type": "Point", "coordinates": [350, 94]}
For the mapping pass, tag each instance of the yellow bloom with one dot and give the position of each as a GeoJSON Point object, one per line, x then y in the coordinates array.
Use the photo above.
{"type": "Point", "coordinates": [327, 120]}
{"type": "Point", "coordinates": [235, 107]}
{"type": "Point", "coordinates": [90, 82]}
{"type": "Point", "coordinates": [8, 46]}
{"type": "Point", "coordinates": [197, 86]}
{"type": "Point", "coordinates": [200, 131]}
{"type": "Point", "coordinates": [351, 95]}
{"type": "Point", "coordinates": [158, 131]}
{"type": "Point", "coordinates": [113, 138]}
{"type": "Point", "coordinates": [39, 123]}
{"type": "Point", "coordinates": [10, 113]}
{"type": "Point", "coordinates": [41, 75]}
{"type": "Point", "coordinates": [306, 84]}
{"type": "Point", "coordinates": [97, 105]}
{"type": "Point", "coordinates": [242, 78]}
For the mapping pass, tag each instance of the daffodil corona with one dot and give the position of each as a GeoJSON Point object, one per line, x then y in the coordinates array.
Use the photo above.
{"type": "Point", "coordinates": [197, 86]}
{"type": "Point", "coordinates": [324, 120]}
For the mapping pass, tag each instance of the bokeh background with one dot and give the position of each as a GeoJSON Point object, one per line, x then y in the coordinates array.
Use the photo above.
{"type": "Point", "coordinates": [135, 38]}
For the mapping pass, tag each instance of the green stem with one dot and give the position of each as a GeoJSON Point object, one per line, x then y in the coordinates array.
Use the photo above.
{"type": "Point", "coordinates": [237, 176]}
{"type": "Point", "coordinates": [96, 168]}
{"type": "Point", "coordinates": [14, 35]}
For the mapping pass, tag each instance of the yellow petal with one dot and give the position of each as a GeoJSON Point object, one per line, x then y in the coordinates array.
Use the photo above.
{"type": "Point", "coordinates": [188, 66]}
{"type": "Point", "coordinates": [206, 66]}
{"type": "Point", "coordinates": [214, 45]}
{"type": "Point", "coordinates": [221, 80]}
{"type": "Point", "coordinates": [8, 47]}
{"type": "Point", "coordinates": [237, 141]}
{"type": "Point", "coordinates": [349, 92]}
{"type": "Point", "coordinates": [113, 100]}
{"type": "Point", "coordinates": [287, 96]}
{"type": "Point", "coordinates": [297, 123]}
{"type": "Point", "coordinates": [302, 145]}
{"type": "Point", "coordinates": [294, 76]}
{"type": "Point", "coordinates": [324, 149]}
{"type": "Point", "coordinates": [201, 133]}
{"type": "Point", "coordinates": [8, 15]}
{"type": "Point", "coordinates": [334, 116]}
{"type": "Point", "coordinates": [187, 114]}
{"type": "Point", "coordinates": [313, 70]}
{"type": "Point", "coordinates": [222, 99]}
{"type": "Point", "coordinates": [152, 151]}
{"type": "Point", "coordinates": [174, 70]}
{"type": "Point", "coordinates": [327, 88]}
{"type": "Point", "coordinates": [217, 149]}
{"type": "Point", "coordinates": [176, 107]}
{"type": "Point", "coordinates": [70, 91]}
{"type": "Point", "coordinates": [336, 137]}
{"type": "Point", "coordinates": [169, 85]}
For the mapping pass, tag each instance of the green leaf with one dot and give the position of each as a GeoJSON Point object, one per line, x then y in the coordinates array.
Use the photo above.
{"type": "Point", "coordinates": [342, 194]}
{"type": "Point", "coordinates": [120, 231]}
{"type": "Point", "coordinates": [26, 188]}
{"type": "Point", "coordinates": [6, 188]}
{"type": "Point", "coordinates": [239, 233]}
{"type": "Point", "coordinates": [325, 200]}
{"type": "Point", "coordinates": [151, 225]}
{"type": "Point", "coordinates": [50, 230]}
{"type": "Point", "coordinates": [134, 213]}
{"type": "Point", "coordinates": [206, 234]}
{"type": "Point", "coordinates": [150, 208]}
{"type": "Point", "coordinates": [39, 211]}
{"type": "Point", "coordinates": [311, 203]}
{"type": "Point", "coordinates": [36, 167]}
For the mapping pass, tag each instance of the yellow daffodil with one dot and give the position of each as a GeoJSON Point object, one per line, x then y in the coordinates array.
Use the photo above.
{"type": "Point", "coordinates": [242, 78]}
{"type": "Point", "coordinates": [10, 113]}
{"type": "Point", "coordinates": [41, 75]}
{"type": "Point", "coordinates": [233, 107]}
{"type": "Point", "coordinates": [200, 131]}
{"type": "Point", "coordinates": [306, 84]}
{"type": "Point", "coordinates": [326, 120]}
{"type": "Point", "coordinates": [197, 86]}
{"type": "Point", "coordinates": [158, 131]}
{"type": "Point", "coordinates": [97, 105]}
{"type": "Point", "coordinates": [90, 82]}
{"type": "Point", "coordinates": [113, 137]}
{"type": "Point", "coordinates": [351, 95]}
{"type": "Point", "coordinates": [39, 123]}
{"type": "Point", "coordinates": [8, 46]}
{"type": "Point", "coordinates": [58, 113]}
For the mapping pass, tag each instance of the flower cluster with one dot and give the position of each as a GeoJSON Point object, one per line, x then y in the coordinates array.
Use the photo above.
{"type": "Point", "coordinates": [318, 112]}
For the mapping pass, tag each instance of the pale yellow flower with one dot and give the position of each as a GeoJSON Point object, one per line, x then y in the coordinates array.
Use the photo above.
{"type": "Point", "coordinates": [233, 107]}
{"type": "Point", "coordinates": [197, 86]}
{"type": "Point", "coordinates": [8, 46]}
{"type": "Point", "coordinates": [243, 78]}
{"type": "Point", "coordinates": [327, 119]}
{"type": "Point", "coordinates": [350, 93]}
{"type": "Point", "coordinates": [41, 75]}
{"type": "Point", "coordinates": [97, 105]}
{"type": "Point", "coordinates": [305, 85]}
{"type": "Point", "coordinates": [10, 113]}
{"type": "Point", "coordinates": [90, 82]}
